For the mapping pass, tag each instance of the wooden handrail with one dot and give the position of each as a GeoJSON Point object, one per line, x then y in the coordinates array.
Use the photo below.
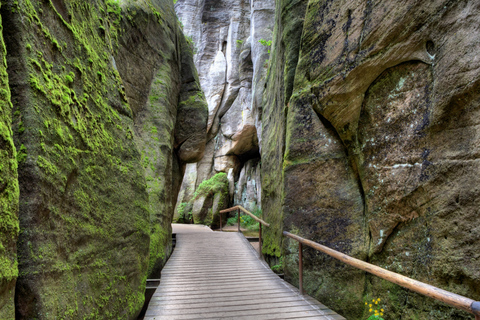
{"type": "Point", "coordinates": [260, 222]}
{"type": "Point", "coordinates": [447, 297]}
{"type": "Point", "coordinates": [247, 212]}
{"type": "Point", "coordinates": [450, 298]}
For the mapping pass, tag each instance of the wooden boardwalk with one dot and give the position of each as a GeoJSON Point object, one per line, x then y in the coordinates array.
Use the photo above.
{"type": "Point", "coordinates": [217, 275]}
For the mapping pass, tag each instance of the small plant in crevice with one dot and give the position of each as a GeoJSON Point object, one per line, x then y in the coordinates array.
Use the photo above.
{"type": "Point", "coordinates": [278, 268]}
{"type": "Point", "coordinates": [266, 43]}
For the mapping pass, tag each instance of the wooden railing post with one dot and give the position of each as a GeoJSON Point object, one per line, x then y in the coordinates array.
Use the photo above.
{"type": "Point", "coordinates": [260, 241]}
{"type": "Point", "coordinates": [238, 213]}
{"type": "Point", "coordinates": [300, 268]}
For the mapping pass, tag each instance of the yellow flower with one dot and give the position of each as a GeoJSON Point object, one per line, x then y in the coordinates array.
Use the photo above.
{"type": "Point", "coordinates": [378, 299]}
{"type": "Point", "coordinates": [366, 303]}
{"type": "Point", "coordinates": [381, 313]}
{"type": "Point", "coordinates": [370, 305]}
{"type": "Point", "coordinates": [370, 310]}
{"type": "Point", "coordinates": [373, 300]}
{"type": "Point", "coordinates": [381, 310]}
{"type": "Point", "coordinates": [376, 302]}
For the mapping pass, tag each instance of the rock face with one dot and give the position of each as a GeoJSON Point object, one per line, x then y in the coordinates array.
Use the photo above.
{"type": "Point", "coordinates": [231, 62]}
{"type": "Point", "coordinates": [9, 194]}
{"type": "Point", "coordinates": [375, 131]}
{"type": "Point", "coordinates": [170, 112]}
{"type": "Point", "coordinates": [107, 110]}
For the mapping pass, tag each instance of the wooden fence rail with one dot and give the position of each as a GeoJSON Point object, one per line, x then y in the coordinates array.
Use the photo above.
{"type": "Point", "coordinates": [260, 223]}
{"type": "Point", "coordinates": [450, 298]}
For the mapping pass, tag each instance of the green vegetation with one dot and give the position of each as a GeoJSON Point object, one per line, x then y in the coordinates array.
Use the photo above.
{"type": "Point", "coordinates": [278, 268]}
{"type": "Point", "coordinates": [184, 212]}
{"type": "Point", "coordinates": [266, 44]}
{"type": "Point", "coordinates": [246, 221]}
{"type": "Point", "coordinates": [212, 185]}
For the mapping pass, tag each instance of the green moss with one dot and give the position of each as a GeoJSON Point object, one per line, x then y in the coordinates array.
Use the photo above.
{"type": "Point", "coordinates": [22, 154]}
{"type": "Point", "coordinates": [212, 185]}
{"type": "Point", "coordinates": [83, 154]}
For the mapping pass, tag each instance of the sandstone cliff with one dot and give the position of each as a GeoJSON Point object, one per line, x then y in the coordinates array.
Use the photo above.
{"type": "Point", "coordinates": [107, 110]}
{"type": "Point", "coordinates": [8, 194]}
{"type": "Point", "coordinates": [231, 55]}
{"type": "Point", "coordinates": [372, 109]}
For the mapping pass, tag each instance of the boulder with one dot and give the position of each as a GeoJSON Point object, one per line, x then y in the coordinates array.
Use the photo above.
{"type": "Point", "coordinates": [210, 197]}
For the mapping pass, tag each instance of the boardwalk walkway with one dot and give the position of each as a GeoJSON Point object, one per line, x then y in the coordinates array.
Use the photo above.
{"type": "Point", "coordinates": [217, 275]}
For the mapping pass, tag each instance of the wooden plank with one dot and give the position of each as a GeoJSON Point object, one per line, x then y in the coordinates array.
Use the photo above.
{"type": "Point", "coordinates": [226, 305]}
{"type": "Point", "coordinates": [218, 276]}
{"type": "Point", "coordinates": [261, 310]}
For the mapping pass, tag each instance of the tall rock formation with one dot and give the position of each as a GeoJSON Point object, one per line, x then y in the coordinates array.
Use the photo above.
{"type": "Point", "coordinates": [155, 63]}
{"type": "Point", "coordinates": [107, 110]}
{"type": "Point", "coordinates": [372, 107]}
{"type": "Point", "coordinates": [9, 194]}
{"type": "Point", "coordinates": [231, 55]}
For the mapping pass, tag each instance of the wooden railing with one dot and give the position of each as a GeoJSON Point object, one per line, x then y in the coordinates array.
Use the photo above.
{"type": "Point", "coordinates": [450, 298]}
{"type": "Point", "coordinates": [260, 223]}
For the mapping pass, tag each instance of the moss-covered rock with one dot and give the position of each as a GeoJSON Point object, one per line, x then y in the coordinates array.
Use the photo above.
{"type": "Point", "coordinates": [284, 57]}
{"type": "Point", "coordinates": [84, 239]}
{"type": "Point", "coordinates": [9, 194]}
{"type": "Point", "coordinates": [170, 112]}
{"type": "Point", "coordinates": [210, 197]}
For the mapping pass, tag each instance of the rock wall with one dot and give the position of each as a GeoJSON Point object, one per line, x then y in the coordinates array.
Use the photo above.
{"type": "Point", "coordinates": [9, 194]}
{"type": "Point", "coordinates": [232, 63]}
{"type": "Point", "coordinates": [107, 110]}
{"type": "Point", "coordinates": [170, 112]}
{"type": "Point", "coordinates": [371, 107]}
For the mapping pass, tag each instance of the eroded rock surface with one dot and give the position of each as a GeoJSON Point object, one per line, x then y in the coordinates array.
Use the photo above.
{"type": "Point", "coordinates": [170, 113]}
{"type": "Point", "coordinates": [231, 62]}
{"type": "Point", "coordinates": [380, 147]}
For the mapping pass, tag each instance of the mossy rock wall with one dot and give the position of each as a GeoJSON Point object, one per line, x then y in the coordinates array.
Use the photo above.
{"type": "Point", "coordinates": [84, 225]}
{"type": "Point", "coordinates": [284, 57]}
{"type": "Point", "coordinates": [374, 106]}
{"type": "Point", "coordinates": [9, 194]}
{"type": "Point", "coordinates": [170, 112]}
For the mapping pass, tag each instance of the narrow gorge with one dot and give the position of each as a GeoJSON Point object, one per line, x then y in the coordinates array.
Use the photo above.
{"type": "Point", "coordinates": [350, 123]}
